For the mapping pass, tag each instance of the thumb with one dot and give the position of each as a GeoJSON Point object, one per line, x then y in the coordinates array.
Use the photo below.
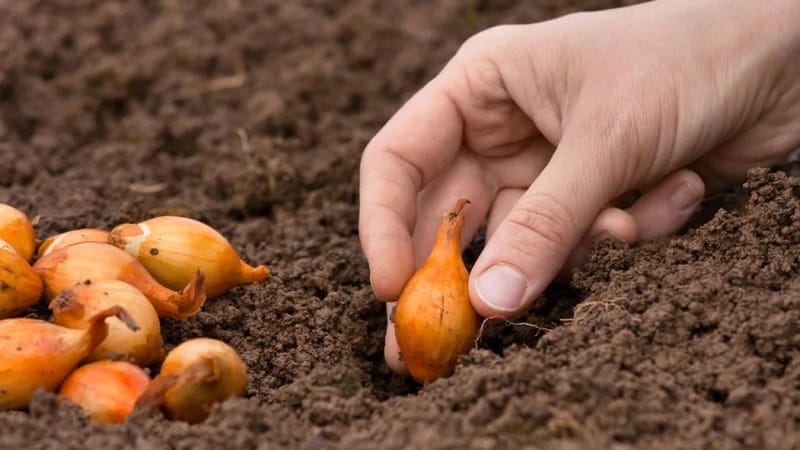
{"type": "Point", "coordinates": [539, 233]}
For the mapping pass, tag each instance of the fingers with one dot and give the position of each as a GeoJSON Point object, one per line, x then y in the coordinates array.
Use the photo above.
{"type": "Point", "coordinates": [517, 175]}
{"type": "Point", "coordinates": [534, 240]}
{"type": "Point", "coordinates": [412, 148]}
{"type": "Point", "coordinates": [666, 207]}
{"type": "Point", "coordinates": [612, 223]}
{"type": "Point", "coordinates": [391, 351]}
{"type": "Point", "coordinates": [464, 180]}
{"type": "Point", "coordinates": [504, 202]}
{"type": "Point", "coordinates": [661, 211]}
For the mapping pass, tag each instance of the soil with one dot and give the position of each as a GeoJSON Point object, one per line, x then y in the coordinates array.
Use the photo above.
{"type": "Point", "coordinates": [251, 116]}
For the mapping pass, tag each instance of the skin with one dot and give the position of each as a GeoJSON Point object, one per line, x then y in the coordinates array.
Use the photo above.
{"type": "Point", "coordinates": [544, 127]}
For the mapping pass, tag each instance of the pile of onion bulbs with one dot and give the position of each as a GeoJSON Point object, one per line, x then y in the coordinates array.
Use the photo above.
{"type": "Point", "coordinates": [108, 292]}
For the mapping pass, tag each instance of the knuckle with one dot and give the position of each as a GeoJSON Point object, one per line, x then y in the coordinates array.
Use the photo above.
{"type": "Point", "coordinates": [615, 134]}
{"type": "Point", "coordinates": [478, 68]}
{"type": "Point", "coordinates": [486, 42]}
{"type": "Point", "coordinates": [547, 223]}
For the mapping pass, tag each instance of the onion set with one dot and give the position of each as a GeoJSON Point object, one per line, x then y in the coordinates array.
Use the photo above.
{"type": "Point", "coordinates": [106, 390]}
{"type": "Point", "coordinates": [107, 292]}
{"type": "Point", "coordinates": [68, 266]}
{"type": "Point", "coordinates": [173, 249]}
{"type": "Point", "coordinates": [20, 285]}
{"type": "Point", "coordinates": [75, 306]}
{"type": "Point", "coordinates": [37, 354]}
{"type": "Point", "coordinates": [195, 375]}
{"type": "Point", "coordinates": [434, 320]}
{"type": "Point", "coordinates": [71, 237]}
{"type": "Point", "coordinates": [16, 229]}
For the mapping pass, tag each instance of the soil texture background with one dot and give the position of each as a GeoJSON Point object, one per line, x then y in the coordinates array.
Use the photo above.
{"type": "Point", "coordinates": [251, 116]}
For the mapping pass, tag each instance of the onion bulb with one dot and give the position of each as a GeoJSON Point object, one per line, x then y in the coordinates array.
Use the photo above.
{"type": "Point", "coordinates": [173, 249]}
{"type": "Point", "coordinates": [68, 266]}
{"type": "Point", "coordinates": [38, 354]}
{"type": "Point", "coordinates": [195, 375]}
{"type": "Point", "coordinates": [71, 237]}
{"type": "Point", "coordinates": [74, 306]}
{"type": "Point", "coordinates": [20, 285]}
{"type": "Point", "coordinates": [106, 390]}
{"type": "Point", "coordinates": [434, 320]}
{"type": "Point", "coordinates": [17, 230]}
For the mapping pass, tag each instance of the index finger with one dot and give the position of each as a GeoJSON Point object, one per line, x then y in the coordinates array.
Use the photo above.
{"type": "Point", "coordinates": [417, 144]}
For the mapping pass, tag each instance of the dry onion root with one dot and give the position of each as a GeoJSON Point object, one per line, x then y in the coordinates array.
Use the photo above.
{"type": "Point", "coordinates": [20, 285]}
{"type": "Point", "coordinates": [68, 266]}
{"type": "Point", "coordinates": [68, 238]}
{"type": "Point", "coordinates": [195, 375]}
{"type": "Point", "coordinates": [37, 354]}
{"type": "Point", "coordinates": [173, 249]}
{"type": "Point", "coordinates": [74, 306]}
{"type": "Point", "coordinates": [434, 320]}
{"type": "Point", "coordinates": [106, 390]}
{"type": "Point", "coordinates": [16, 229]}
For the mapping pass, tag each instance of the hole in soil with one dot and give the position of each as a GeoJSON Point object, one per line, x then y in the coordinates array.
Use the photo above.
{"type": "Point", "coordinates": [550, 311]}
{"type": "Point", "coordinates": [235, 214]}
{"type": "Point", "coordinates": [362, 64]}
{"type": "Point", "coordinates": [783, 365]}
{"type": "Point", "coordinates": [48, 74]}
{"type": "Point", "coordinates": [287, 130]}
{"type": "Point", "coordinates": [383, 383]}
{"type": "Point", "coordinates": [319, 292]}
{"type": "Point", "coordinates": [557, 304]}
{"type": "Point", "coordinates": [68, 42]}
{"type": "Point", "coordinates": [473, 250]}
{"type": "Point", "coordinates": [258, 204]}
{"type": "Point", "coordinates": [702, 329]}
{"type": "Point", "coordinates": [717, 395]}
{"type": "Point", "coordinates": [355, 104]}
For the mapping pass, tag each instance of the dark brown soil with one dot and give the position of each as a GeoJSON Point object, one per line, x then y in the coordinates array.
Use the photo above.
{"type": "Point", "coordinates": [251, 116]}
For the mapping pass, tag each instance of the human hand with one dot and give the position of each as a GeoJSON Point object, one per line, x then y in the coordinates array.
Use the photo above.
{"type": "Point", "coordinates": [542, 126]}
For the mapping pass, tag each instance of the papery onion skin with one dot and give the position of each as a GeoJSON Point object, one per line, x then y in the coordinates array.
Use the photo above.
{"type": "Point", "coordinates": [74, 306]}
{"type": "Point", "coordinates": [196, 375]}
{"type": "Point", "coordinates": [434, 320]}
{"type": "Point", "coordinates": [95, 261]}
{"type": "Point", "coordinates": [38, 354]}
{"type": "Point", "coordinates": [174, 248]}
{"type": "Point", "coordinates": [69, 238]}
{"type": "Point", "coordinates": [17, 230]}
{"type": "Point", "coordinates": [106, 390]}
{"type": "Point", "coordinates": [20, 285]}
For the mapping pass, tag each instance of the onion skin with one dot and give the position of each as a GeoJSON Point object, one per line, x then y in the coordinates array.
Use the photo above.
{"type": "Point", "coordinates": [20, 285]}
{"type": "Point", "coordinates": [69, 238]}
{"type": "Point", "coordinates": [38, 354]}
{"type": "Point", "coordinates": [195, 375]}
{"type": "Point", "coordinates": [174, 248]}
{"type": "Point", "coordinates": [106, 390]}
{"type": "Point", "coordinates": [74, 306]}
{"type": "Point", "coordinates": [434, 320]}
{"type": "Point", "coordinates": [68, 266]}
{"type": "Point", "coordinates": [17, 230]}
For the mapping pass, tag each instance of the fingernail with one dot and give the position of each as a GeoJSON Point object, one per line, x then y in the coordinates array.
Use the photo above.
{"type": "Point", "coordinates": [684, 197]}
{"type": "Point", "coordinates": [502, 287]}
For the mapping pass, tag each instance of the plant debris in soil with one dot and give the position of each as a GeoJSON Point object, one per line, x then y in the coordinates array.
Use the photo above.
{"type": "Point", "coordinates": [251, 116]}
